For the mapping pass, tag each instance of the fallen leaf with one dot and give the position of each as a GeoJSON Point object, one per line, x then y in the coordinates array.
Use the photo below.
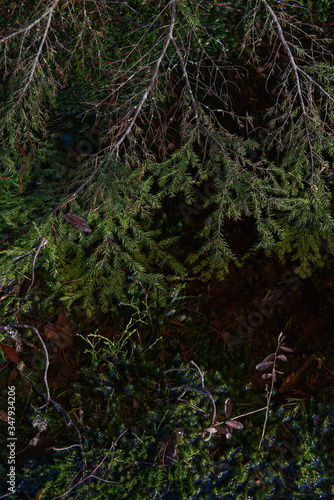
{"type": "Point", "coordinates": [10, 353]}
{"type": "Point", "coordinates": [77, 222]}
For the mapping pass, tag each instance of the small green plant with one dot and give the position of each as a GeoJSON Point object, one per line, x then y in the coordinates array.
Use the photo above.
{"type": "Point", "coordinates": [229, 424]}
{"type": "Point", "coordinates": [101, 346]}
{"type": "Point", "coordinates": [296, 405]}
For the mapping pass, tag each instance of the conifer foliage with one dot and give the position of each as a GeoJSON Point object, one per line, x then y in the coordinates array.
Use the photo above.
{"type": "Point", "coordinates": [114, 114]}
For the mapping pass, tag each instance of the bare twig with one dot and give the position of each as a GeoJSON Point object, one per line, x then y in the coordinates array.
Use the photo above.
{"type": "Point", "coordinates": [57, 407]}
{"type": "Point", "coordinates": [199, 390]}
{"type": "Point", "coordinates": [92, 474]}
{"type": "Point", "coordinates": [38, 249]}
{"type": "Point", "coordinates": [46, 396]}
{"type": "Point", "coordinates": [40, 246]}
{"type": "Point", "coordinates": [214, 413]}
{"type": "Point", "coordinates": [23, 256]}
{"type": "Point", "coordinates": [5, 328]}
{"type": "Point", "coordinates": [249, 413]}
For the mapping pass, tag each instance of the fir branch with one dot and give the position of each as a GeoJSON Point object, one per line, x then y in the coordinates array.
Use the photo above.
{"type": "Point", "coordinates": [26, 29]}
{"type": "Point", "coordinates": [295, 70]}
{"type": "Point", "coordinates": [148, 90]}
{"type": "Point", "coordinates": [49, 13]}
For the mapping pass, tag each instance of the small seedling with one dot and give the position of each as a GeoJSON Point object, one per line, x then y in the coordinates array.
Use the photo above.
{"type": "Point", "coordinates": [270, 361]}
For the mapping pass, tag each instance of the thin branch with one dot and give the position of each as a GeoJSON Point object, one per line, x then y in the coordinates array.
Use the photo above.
{"type": "Point", "coordinates": [66, 447]}
{"type": "Point", "coordinates": [46, 396]}
{"type": "Point", "coordinates": [56, 405]}
{"type": "Point", "coordinates": [75, 194]}
{"type": "Point", "coordinates": [274, 356]}
{"type": "Point", "coordinates": [185, 74]}
{"type": "Point", "coordinates": [38, 249]}
{"type": "Point", "coordinates": [40, 246]}
{"type": "Point", "coordinates": [30, 26]}
{"type": "Point", "coordinates": [23, 256]}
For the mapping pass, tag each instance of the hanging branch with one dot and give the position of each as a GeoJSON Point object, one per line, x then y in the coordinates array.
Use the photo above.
{"type": "Point", "coordinates": [209, 133]}
{"type": "Point", "coordinates": [49, 13]}
{"type": "Point", "coordinates": [153, 78]}
{"type": "Point", "coordinates": [25, 30]}
{"type": "Point", "coordinates": [185, 74]}
{"type": "Point", "coordinates": [138, 108]}
{"type": "Point", "coordinates": [295, 71]}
